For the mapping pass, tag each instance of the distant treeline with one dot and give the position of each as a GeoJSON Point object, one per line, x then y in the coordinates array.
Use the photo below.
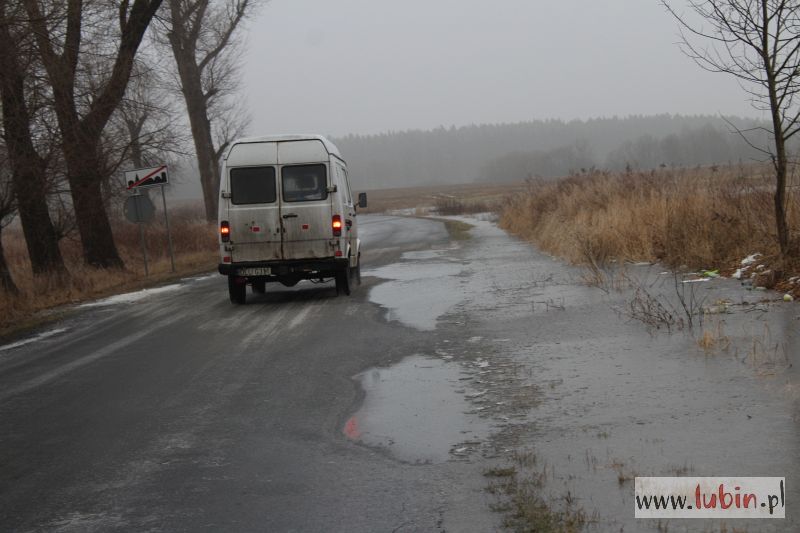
{"type": "Point", "coordinates": [550, 148]}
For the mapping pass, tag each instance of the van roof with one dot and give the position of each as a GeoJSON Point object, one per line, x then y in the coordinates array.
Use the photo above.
{"type": "Point", "coordinates": [329, 146]}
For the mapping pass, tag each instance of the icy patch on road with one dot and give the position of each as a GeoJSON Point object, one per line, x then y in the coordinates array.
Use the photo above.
{"type": "Point", "coordinates": [35, 338]}
{"type": "Point", "coordinates": [204, 277]}
{"type": "Point", "coordinates": [131, 297]}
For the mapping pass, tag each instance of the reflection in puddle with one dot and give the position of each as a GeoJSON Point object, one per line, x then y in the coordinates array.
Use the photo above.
{"type": "Point", "coordinates": [412, 410]}
{"type": "Point", "coordinates": [418, 293]}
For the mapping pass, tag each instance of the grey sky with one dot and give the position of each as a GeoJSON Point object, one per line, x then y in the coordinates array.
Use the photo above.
{"type": "Point", "coordinates": [367, 66]}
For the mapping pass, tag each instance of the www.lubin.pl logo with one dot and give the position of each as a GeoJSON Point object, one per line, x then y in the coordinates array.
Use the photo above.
{"type": "Point", "coordinates": [679, 497]}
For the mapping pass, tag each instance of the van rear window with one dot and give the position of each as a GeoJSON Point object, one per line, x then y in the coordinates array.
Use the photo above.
{"type": "Point", "coordinates": [304, 183]}
{"type": "Point", "coordinates": [253, 185]}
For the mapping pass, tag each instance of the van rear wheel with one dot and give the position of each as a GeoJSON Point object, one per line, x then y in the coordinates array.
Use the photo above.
{"type": "Point", "coordinates": [237, 290]}
{"type": "Point", "coordinates": [343, 281]}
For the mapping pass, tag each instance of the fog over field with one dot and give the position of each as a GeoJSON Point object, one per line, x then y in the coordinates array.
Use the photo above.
{"type": "Point", "coordinates": [450, 92]}
{"type": "Point", "coordinates": [359, 66]}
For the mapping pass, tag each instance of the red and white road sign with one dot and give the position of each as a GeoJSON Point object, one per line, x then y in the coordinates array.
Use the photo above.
{"type": "Point", "coordinates": [146, 177]}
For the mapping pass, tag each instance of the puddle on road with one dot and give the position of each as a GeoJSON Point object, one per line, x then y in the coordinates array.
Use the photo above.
{"type": "Point", "coordinates": [413, 411]}
{"type": "Point", "coordinates": [418, 293]}
{"type": "Point", "coordinates": [421, 255]}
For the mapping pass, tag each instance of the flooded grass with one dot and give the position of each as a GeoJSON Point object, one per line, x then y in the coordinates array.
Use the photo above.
{"type": "Point", "coordinates": [500, 472]}
{"type": "Point", "coordinates": [702, 218]}
{"type": "Point", "coordinates": [458, 230]}
{"type": "Point", "coordinates": [527, 511]}
{"type": "Point", "coordinates": [714, 339]}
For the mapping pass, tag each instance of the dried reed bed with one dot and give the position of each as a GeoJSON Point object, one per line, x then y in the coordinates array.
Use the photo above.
{"type": "Point", "coordinates": [701, 218]}
{"type": "Point", "coordinates": [195, 245]}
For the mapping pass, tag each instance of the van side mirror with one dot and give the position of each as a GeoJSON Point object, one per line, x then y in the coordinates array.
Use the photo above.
{"type": "Point", "coordinates": [362, 200]}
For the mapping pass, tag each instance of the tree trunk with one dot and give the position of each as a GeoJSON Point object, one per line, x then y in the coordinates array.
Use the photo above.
{"type": "Point", "coordinates": [85, 181]}
{"type": "Point", "coordinates": [6, 281]}
{"type": "Point", "coordinates": [780, 160]}
{"type": "Point", "coordinates": [27, 168]}
{"type": "Point", "coordinates": [134, 132]}
{"type": "Point", "coordinates": [37, 226]}
{"type": "Point", "coordinates": [183, 41]}
{"type": "Point", "coordinates": [207, 163]}
{"type": "Point", "coordinates": [780, 211]}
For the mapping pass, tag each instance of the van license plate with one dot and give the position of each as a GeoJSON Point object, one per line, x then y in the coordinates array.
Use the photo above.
{"type": "Point", "coordinates": [254, 271]}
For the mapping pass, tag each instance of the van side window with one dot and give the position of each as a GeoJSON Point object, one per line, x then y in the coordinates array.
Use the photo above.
{"type": "Point", "coordinates": [343, 184]}
{"type": "Point", "coordinates": [253, 185]}
{"type": "Point", "coordinates": [347, 186]}
{"type": "Point", "coordinates": [304, 183]}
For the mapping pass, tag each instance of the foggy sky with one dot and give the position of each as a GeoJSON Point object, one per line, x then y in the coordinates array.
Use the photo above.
{"type": "Point", "coordinates": [368, 66]}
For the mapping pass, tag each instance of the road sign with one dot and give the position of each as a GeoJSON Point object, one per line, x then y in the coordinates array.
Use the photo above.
{"type": "Point", "coordinates": [139, 208]}
{"type": "Point", "coordinates": [146, 177]}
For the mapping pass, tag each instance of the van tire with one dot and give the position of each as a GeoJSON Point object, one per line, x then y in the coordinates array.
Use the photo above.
{"type": "Point", "coordinates": [343, 281]}
{"type": "Point", "coordinates": [358, 270]}
{"type": "Point", "coordinates": [259, 286]}
{"type": "Point", "coordinates": [237, 290]}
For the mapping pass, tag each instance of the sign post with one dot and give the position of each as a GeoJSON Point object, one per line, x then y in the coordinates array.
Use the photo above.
{"type": "Point", "coordinates": [169, 232]}
{"type": "Point", "coordinates": [139, 209]}
{"type": "Point", "coordinates": [143, 178]}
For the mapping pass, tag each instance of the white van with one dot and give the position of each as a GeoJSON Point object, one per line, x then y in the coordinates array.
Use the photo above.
{"type": "Point", "coordinates": [286, 213]}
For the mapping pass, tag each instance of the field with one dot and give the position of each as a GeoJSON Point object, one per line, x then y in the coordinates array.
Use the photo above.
{"type": "Point", "coordinates": [471, 197]}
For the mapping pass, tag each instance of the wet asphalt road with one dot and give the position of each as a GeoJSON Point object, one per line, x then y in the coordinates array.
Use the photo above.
{"type": "Point", "coordinates": [303, 411]}
{"type": "Point", "coordinates": [181, 412]}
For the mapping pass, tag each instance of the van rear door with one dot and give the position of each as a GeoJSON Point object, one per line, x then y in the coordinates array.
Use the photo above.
{"type": "Point", "coordinates": [253, 206]}
{"type": "Point", "coordinates": [305, 199]}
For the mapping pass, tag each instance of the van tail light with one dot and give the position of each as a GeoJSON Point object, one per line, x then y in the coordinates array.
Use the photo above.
{"type": "Point", "coordinates": [225, 231]}
{"type": "Point", "coordinates": [336, 223]}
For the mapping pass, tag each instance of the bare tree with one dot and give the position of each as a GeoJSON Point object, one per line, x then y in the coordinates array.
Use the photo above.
{"type": "Point", "coordinates": [757, 42]}
{"type": "Point", "coordinates": [147, 117]}
{"type": "Point", "coordinates": [201, 34]}
{"type": "Point", "coordinates": [28, 167]}
{"type": "Point", "coordinates": [60, 34]}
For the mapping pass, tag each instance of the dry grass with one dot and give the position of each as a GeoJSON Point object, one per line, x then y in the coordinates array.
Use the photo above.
{"type": "Point", "coordinates": [700, 218]}
{"type": "Point", "coordinates": [195, 245]}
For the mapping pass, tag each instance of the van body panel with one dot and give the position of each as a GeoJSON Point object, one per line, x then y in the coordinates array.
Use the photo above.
{"type": "Point", "coordinates": [348, 210]}
{"type": "Point", "coordinates": [255, 228]}
{"type": "Point", "coordinates": [297, 152]}
{"type": "Point", "coordinates": [292, 227]}
{"type": "Point", "coordinates": [307, 231]}
{"type": "Point", "coordinates": [252, 154]}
